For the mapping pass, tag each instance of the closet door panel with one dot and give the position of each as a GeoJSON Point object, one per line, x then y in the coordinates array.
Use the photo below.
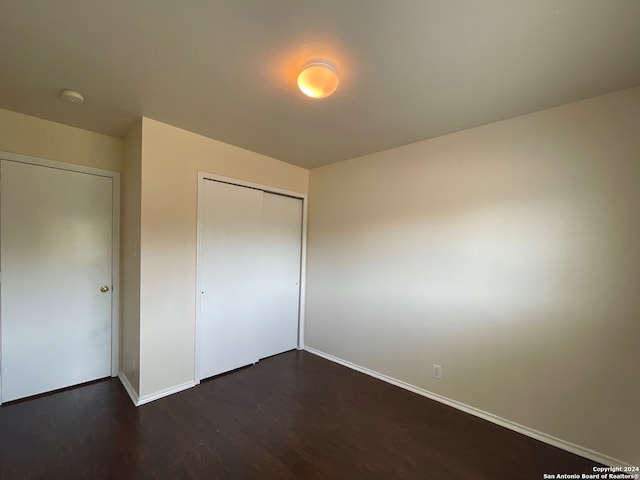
{"type": "Point", "coordinates": [281, 246]}
{"type": "Point", "coordinates": [231, 277]}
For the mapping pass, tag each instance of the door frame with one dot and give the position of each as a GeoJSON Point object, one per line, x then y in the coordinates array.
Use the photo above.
{"type": "Point", "coordinates": [203, 177]}
{"type": "Point", "coordinates": [115, 243]}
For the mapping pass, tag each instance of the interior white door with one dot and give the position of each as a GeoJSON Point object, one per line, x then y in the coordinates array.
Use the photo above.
{"type": "Point", "coordinates": [56, 249]}
{"type": "Point", "coordinates": [249, 266]}
{"type": "Point", "coordinates": [282, 244]}
{"type": "Point", "coordinates": [230, 277]}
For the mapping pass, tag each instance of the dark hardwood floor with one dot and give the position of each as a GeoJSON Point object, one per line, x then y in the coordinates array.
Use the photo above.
{"type": "Point", "coordinates": [292, 416]}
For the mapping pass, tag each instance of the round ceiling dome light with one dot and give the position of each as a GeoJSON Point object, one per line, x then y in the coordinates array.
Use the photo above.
{"type": "Point", "coordinates": [72, 96]}
{"type": "Point", "coordinates": [318, 79]}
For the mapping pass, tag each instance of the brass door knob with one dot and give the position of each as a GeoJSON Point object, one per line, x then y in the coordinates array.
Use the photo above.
{"type": "Point", "coordinates": [104, 289]}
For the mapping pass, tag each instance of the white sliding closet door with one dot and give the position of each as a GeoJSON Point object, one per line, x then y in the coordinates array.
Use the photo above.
{"type": "Point", "coordinates": [282, 242]}
{"type": "Point", "coordinates": [56, 248]}
{"type": "Point", "coordinates": [231, 277]}
{"type": "Point", "coordinates": [249, 267]}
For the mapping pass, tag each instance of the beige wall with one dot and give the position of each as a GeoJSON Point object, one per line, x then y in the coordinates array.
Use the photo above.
{"type": "Point", "coordinates": [130, 256]}
{"type": "Point", "coordinates": [171, 159]}
{"type": "Point", "coordinates": [44, 139]}
{"type": "Point", "coordinates": [509, 254]}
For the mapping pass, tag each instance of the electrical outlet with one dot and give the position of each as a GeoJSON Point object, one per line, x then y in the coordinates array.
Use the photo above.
{"type": "Point", "coordinates": [437, 371]}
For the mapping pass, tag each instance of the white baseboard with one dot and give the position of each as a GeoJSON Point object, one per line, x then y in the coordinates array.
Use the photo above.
{"type": "Point", "coordinates": [529, 432]}
{"type": "Point", "coordinates": [128, 387]}
{"type": "Point", "coordinates": [165, 392]}
{"type": "Point", "coordinates": [137, 400]}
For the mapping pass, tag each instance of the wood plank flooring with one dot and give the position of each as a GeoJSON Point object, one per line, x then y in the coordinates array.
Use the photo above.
{"type": "Point", "coordinates": [292, 416]}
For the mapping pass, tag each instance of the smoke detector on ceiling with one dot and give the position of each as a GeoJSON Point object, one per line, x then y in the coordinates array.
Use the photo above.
{"type": "Point", "coordinates": [72, 96]}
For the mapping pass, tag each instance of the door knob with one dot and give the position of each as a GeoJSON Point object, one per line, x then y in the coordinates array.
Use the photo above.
{"type": "Point", "coordinates": [104, 289]}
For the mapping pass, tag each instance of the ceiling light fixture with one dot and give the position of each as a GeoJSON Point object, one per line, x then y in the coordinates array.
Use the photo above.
{"type": "Point", "coordinates": [318, 79]}
{"type": "Point", "coordinates": [72, 96]}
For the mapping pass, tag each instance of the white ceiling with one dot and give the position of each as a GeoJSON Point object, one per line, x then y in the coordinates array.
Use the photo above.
{"type": "Point", "coordinates": [410, 70]}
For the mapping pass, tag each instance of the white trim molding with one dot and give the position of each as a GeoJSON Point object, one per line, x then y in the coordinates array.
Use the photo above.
{"type": "Point", "coordinates": [164, 393]}
{"type": "Point", "coordinates": [128, 387]}
{"type": "Point", "coordinates": [302, 305]}
{"type": "Point", "coordinates": [503, 422]}
{"type": "Point", "coordinates": [141, 400]}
